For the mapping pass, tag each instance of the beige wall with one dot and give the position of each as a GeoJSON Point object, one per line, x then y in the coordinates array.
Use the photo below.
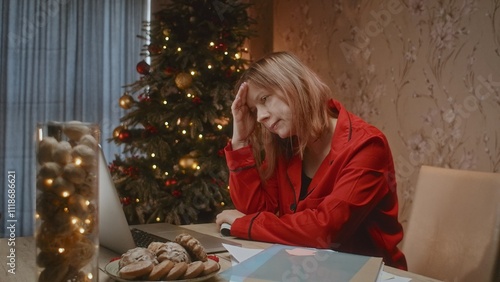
{"type": "Point", "coordinates": [427, 73]}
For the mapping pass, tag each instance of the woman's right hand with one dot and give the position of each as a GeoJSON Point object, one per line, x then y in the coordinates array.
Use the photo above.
{"type": "Point", "coordinates": [243, 119]}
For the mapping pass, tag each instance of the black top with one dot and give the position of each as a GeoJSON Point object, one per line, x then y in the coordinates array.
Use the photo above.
{"type": "Point", "coordinates": [305, 183]}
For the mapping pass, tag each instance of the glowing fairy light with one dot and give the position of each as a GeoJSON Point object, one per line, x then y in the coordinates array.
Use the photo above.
{"type": "Point", "coordinates": [78, 161]}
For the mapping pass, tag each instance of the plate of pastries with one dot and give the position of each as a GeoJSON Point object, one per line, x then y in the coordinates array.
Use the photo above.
{"type": "Point", "coordinates": [183, 259]}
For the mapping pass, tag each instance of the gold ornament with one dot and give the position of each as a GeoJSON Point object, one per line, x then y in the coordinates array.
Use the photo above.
{"type": "Point", "coordinates": [189, 160]}
{"type": "Point", "coordinates": [126, 101]}
{"type": "Point", "coordinates": [183, 80]}
{"type": "Point", "coordinates": [118, 130]}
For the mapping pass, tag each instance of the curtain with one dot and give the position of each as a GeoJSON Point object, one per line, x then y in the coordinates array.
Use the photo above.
{"type": "Point", "coordinates": [60, 60]}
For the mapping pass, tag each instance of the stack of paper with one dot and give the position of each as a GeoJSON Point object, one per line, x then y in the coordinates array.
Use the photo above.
{"type": "Point", "coordinates": [287, 263]}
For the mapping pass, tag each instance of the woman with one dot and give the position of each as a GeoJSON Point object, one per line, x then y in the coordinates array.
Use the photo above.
{"type": "Point", "coordinates": [304, 171]}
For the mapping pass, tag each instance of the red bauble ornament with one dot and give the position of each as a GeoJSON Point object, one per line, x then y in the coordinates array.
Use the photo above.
{"type": "Point", "coordinates": [169, 182]}
{"type": "Point", "coordinates": [169, 71]}
{"type": "Point", "coordinates": [154, 49]}
{"type": "Point", "coordinates": [125, 201]}
{"type": "Point", "coordinates": [144, 97]}
{"type": "Point", "coordinates": [143, 68]}
{"type": "Point", "coordinates": [221, 46]}
{"type": "Point", "coordinates": [196, 100]}
{"type": "Point", "coordinates": [151, 129]}
{"type": "Point", "coordinates": [176, 193]}
{"type": "Point", "coordinates": [124, 135]}
{"type": "Point", "coordinates": [132, 171]}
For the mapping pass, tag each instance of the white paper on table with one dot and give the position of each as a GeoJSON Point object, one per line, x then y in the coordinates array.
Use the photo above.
{"type": "Point", "coordinates": [239, 254]}
{"type": "Point", "coordinates": [389, 277]}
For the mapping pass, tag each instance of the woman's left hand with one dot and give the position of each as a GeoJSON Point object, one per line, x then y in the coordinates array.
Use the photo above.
{"type": "Point", "coordinates": [228, 216]}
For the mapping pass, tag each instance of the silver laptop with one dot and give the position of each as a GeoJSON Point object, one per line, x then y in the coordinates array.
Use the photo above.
{"type": "Point", "coordinates": [115, 233]}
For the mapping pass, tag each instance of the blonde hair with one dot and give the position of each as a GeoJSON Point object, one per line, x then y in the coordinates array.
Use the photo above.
{"type": "Point", "coordinates": [305, 94]}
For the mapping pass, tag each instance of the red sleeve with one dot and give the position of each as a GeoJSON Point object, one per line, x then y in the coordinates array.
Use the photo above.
{"type": "Point", "coordinates": [245, 186]}
{"type": "Point", "coordinates": [354, 188]}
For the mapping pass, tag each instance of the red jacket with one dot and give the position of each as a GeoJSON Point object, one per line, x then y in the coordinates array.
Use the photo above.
{"type": "Point", "coordinates": [351, 205]}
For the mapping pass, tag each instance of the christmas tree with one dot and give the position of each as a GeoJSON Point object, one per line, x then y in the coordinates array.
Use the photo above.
{"type": "Point", "coordinates": [178, 116]}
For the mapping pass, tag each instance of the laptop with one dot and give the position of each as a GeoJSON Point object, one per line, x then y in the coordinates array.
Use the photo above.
{"type": "Point", "coordinates": [117, 235]}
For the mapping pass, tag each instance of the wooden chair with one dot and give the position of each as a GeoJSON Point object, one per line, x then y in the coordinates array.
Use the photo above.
{"type": "Point", "coordinates": [453, 231]}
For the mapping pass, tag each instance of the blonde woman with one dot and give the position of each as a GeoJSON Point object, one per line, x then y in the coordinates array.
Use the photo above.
{"type": "Point", "coordinates": [304, 171]}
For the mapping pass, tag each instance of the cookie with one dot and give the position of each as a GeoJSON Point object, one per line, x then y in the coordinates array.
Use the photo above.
{"type": "Point", "coordinates": [136, 255]}
{"type": "Point", "coordinates": [194, 270]}
{"type": "Point", "coordinates": [154, 246]}
{"type": "Point", "coordinates": [161, 270]}
{"type": "Point", "coordinates": [210, 266]}
{"type": "Point", "coordinates": [136, 269]}
{"type": "Point", "coordinates": [177, 271]}
{"type": "Point", "coordinates": [192, 246]}
{"type": "Point", "coordinates": [172, 251]}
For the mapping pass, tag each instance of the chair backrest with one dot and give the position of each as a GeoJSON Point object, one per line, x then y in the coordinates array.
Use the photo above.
{"type": "Point", "coordinates": [453, 230]}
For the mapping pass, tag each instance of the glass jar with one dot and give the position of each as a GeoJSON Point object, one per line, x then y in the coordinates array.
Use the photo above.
{"type": "Point", "coordinates": [66, 226]}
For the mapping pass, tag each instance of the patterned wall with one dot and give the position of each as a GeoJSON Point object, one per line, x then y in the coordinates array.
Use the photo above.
{"type": "Point", "coordinates": [427, 73]}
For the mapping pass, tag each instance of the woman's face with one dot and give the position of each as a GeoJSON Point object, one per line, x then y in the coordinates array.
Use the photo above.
{"type": "Point", "coordinates": [270, 110]}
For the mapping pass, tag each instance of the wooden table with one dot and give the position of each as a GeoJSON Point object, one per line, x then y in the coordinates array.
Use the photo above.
{"type": "Point", "coordinates": [25, 258]}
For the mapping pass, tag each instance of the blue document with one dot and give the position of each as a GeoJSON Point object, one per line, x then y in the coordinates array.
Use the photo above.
{"type": "Point", "coordinates": [290, 263]}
